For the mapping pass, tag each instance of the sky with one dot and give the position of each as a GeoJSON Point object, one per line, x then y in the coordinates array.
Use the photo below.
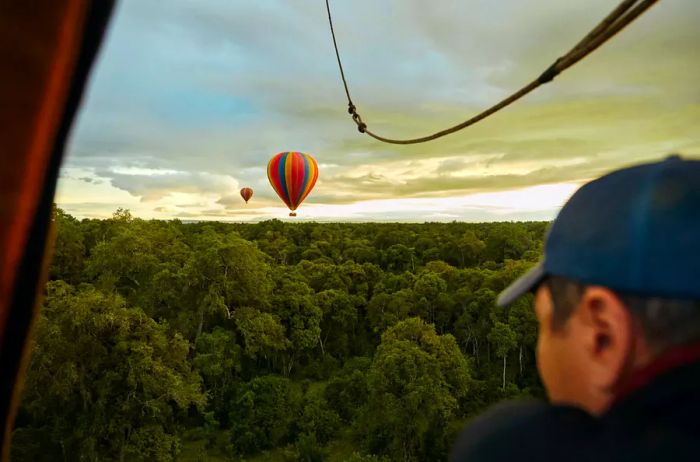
{"type": "Point", "coordinates": [189, 99]}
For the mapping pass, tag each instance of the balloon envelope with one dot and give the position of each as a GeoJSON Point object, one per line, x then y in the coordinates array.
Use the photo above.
{"type": "Point", "coordinates": [246, 194]}
{"type": "Point", "coordinates": [292, 176]}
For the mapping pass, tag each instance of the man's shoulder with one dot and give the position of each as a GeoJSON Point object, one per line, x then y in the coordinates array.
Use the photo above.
{"type": "Point", "coordinates": [526, 430]}
{"type": "Point", "coordinates": [656, 424]}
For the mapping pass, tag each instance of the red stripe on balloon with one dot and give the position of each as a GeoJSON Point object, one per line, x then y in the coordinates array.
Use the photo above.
{"type": "Point", "coordinates": [297, 179]}
{"type": "Point", "coordinates": [276, 180]}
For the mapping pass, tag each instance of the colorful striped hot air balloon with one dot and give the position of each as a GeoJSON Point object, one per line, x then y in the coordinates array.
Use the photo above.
{"type": "Point", "coordinates": [246, 194]}
{"type": "Point", "coordinates": [292, 176]}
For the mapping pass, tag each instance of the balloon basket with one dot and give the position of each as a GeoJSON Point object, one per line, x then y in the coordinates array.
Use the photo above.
{"type": "Point", "coordinates": [292, 214]}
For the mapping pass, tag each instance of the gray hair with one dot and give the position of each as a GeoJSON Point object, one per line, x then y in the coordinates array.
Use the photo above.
{"type": "Point", "coordinates": [665, 322]}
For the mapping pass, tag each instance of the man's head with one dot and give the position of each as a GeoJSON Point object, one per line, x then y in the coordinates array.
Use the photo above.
{"type": "Point", "coordinates": [592, 338]}
{"type": "Point", "coordinates": [619, 280]}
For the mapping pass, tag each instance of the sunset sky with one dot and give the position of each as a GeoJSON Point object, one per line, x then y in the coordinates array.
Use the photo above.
{"type": "Point", "coordinates": [190, 99]}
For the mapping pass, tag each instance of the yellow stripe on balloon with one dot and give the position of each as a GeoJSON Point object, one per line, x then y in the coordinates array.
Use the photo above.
{"type": "Point", "coordinates": [312, 173]}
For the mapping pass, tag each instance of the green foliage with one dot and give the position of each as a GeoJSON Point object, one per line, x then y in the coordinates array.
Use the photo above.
{"type": "Point", "coordinates": [293, 302]}
{"type": "Point", "coordinates": [308, 449]}
{"type": "Point", "coordinates": [218, 361]}
{"type": "Point", "coordinates": [505, 340]}
{"type": "Point", "coordinates": [357, 457]}
{"type": "Point", "coordinates": [507, 242]}
{"type": "Point", "coordinates": [339, 320]}
{"type": "Point", "coordinates": [69, 249]}
{"type": "Point", "coordinates": [415, 383]}
{"type": "Point", "coordinates": [263, 414]}
{"type": "Point", "coordinates": [317, 419]}
{"type": "Point", "coordinates": [346, 392]}
{"type": "Point", "coordinates": [263, 333]}
{"type": "Point", "coordinates": [503, 337]}
{"type": "Point", "coordinates": [161, 340]}
{"type": "Point", "coordinates": [106, 379]}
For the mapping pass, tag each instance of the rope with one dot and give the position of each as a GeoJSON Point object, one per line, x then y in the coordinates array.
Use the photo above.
{"type": "Point", "coordinates": [361, 126]}
{"type": "Point", "coordinates": [618, 19]}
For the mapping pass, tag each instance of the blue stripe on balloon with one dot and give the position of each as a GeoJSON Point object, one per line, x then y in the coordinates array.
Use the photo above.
{"type": "Point", "coordinates": [283, 177]}
{"type": "Point", "coordinates": [306, 178]}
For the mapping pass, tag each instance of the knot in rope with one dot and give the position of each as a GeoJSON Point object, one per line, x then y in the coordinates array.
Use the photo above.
{"type": "Point", "coordinates": [361, 126]}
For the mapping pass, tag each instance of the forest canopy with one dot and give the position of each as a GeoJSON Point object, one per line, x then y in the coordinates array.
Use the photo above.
{"type": "Point", "coordinates": [164, 341]}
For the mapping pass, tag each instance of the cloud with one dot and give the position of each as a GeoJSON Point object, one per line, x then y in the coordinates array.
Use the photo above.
{"type": "Point", "coordinates": [204, 93]}
{"type": "Point", "coordinates": [185, 206]}
{"type": "Point", "coordinates": [156, 185]}
{"type": "Point", "coordinates": [235, 201]}
{"type": "Point", "coordinates": [442, 185]}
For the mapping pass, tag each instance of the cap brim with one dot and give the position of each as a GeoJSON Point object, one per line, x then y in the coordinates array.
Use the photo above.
{"type": "Point", "coordinates": [522, 285]}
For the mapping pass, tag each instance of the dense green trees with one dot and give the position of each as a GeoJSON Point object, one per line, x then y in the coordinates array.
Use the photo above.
{"type": "Point", "coordinates": [415, 383]}
{"type": "Point", "coordinates": [105, 380]}
{"type": "Point", "coordinates": [303, 341]}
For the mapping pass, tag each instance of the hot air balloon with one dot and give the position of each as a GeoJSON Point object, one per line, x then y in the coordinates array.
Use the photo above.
{"type": "Point", "coordinates": [292, 176]}
{"type": "Point", "coordinates": [246, 194]}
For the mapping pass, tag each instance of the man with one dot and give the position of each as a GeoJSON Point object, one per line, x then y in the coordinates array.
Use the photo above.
{"type": "Point", "coordinates": [617, 297]}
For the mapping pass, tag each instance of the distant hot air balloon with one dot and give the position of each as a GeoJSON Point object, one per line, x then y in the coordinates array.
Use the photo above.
{"type": "Point", "coordinates": [292, 176]}
{"type": "Point", "coordinates": [246, 194]}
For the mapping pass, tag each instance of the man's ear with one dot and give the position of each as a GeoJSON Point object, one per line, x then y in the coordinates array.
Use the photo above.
{"type": "Point", "coordinates": [610, 336]}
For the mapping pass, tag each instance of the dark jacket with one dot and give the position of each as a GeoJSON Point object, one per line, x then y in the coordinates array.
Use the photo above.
{"type": "Point", "coordinates": [657, 419]}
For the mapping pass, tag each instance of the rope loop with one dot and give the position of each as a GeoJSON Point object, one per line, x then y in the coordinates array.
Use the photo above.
{"type": "Point", "coordinates": [361, 126]}
{"type": "Point", "coordinates": [626, 12]}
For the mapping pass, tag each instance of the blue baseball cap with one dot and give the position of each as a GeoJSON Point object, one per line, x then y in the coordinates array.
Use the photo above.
{"type": "Point", "coordinates": [635, 230]}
